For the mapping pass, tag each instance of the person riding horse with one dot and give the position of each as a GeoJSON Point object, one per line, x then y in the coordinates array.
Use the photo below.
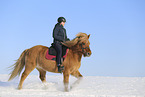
{"type": "Point", "coordinates": [59, 35]}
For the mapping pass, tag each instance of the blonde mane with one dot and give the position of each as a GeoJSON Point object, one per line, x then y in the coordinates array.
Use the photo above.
{"type": "Point", "coordinates": [80, 37]}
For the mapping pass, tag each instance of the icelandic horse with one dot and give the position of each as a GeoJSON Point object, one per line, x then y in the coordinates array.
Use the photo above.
{"type": "Point", "coordinates": [35, 58]}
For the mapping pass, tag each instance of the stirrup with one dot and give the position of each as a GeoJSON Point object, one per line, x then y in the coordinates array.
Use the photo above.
{"type": "Point", "coordinates": [60, 68]}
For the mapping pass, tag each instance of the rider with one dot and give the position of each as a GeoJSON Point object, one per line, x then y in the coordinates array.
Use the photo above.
{"type": "Point", "coordinates": [59, 35]}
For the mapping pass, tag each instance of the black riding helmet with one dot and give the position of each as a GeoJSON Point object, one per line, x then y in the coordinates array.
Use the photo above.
{"type": "Point", "coordinates": [61, 19]}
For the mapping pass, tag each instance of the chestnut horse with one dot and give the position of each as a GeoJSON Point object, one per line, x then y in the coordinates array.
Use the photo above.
{"type": "Point", "coordinates": [35, 58]}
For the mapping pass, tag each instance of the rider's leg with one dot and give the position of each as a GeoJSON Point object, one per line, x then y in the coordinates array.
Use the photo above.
{"type": "Point", "coordinates": [58, 48]}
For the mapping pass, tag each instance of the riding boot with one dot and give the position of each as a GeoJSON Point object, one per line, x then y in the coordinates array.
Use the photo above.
{"type": "Point", "coordinates": [60, 68]}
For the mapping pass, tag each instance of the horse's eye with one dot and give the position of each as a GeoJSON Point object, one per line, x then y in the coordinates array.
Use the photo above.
{"type": "Point", "coordinates": [83, 43]}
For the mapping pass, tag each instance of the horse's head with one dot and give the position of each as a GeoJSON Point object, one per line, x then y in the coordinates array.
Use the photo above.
{"type": "Point", "coordinates": [84, 44]}
{"type": "Point", "coordinates": [80, 44]}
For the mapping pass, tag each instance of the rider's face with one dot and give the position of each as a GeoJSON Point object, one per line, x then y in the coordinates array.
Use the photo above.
{"type": "Point", "coordinates": [62, 23]}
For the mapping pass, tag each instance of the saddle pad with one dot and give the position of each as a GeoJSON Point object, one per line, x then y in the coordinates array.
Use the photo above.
{"type": "Point", "coordinates": [53, 57]}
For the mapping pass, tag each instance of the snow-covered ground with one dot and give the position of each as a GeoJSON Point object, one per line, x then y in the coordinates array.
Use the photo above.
{"type": "Point", "coordinates": [90, 86]}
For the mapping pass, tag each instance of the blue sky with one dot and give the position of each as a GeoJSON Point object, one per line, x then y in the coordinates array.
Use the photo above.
{"type": "Point", "coordinates": [117, 29]}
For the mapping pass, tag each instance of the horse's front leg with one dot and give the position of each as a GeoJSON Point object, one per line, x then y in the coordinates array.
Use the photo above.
{"type": "Point", "coordinates": [66, 81]}
{"type": "Point", "coordinates": [78, 75]}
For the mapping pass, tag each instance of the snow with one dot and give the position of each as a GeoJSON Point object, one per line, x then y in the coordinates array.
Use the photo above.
{"type": "Point", "coordinates": [89, 86]}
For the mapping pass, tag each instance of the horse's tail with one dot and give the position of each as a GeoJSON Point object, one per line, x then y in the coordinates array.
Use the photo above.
{"type": "Point", "coordinates": [18, 66]}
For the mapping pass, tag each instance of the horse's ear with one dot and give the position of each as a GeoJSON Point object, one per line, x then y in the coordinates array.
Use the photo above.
{"type": "Point", "coordinates": [89, 36]}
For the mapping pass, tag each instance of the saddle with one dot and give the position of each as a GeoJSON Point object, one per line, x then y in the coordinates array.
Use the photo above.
{"type": "Point", "coordinates": [51, 53]}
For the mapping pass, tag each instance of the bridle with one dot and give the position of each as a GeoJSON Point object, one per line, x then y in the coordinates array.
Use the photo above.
{"type": "Point", "coordinates": [83, 48]}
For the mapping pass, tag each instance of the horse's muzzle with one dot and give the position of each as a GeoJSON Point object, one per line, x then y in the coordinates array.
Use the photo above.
{"type": "Point", "coordinates": [87, 54]}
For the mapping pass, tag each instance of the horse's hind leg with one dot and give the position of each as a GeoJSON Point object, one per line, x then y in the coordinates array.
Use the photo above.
{"type": "Point", "coordinates": [28, 68]}
{"type": "Point", "coordinates": [42, 74]}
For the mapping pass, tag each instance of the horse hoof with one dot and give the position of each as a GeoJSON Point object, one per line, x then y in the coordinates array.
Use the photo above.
{"type": "Point", "coordinates": [66, 90]}
{"type": "Point", "coordinates": [19, 88]}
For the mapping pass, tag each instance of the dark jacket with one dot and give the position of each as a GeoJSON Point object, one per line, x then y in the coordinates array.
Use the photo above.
{"type": "Point", "coordinates": [59, 33]}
